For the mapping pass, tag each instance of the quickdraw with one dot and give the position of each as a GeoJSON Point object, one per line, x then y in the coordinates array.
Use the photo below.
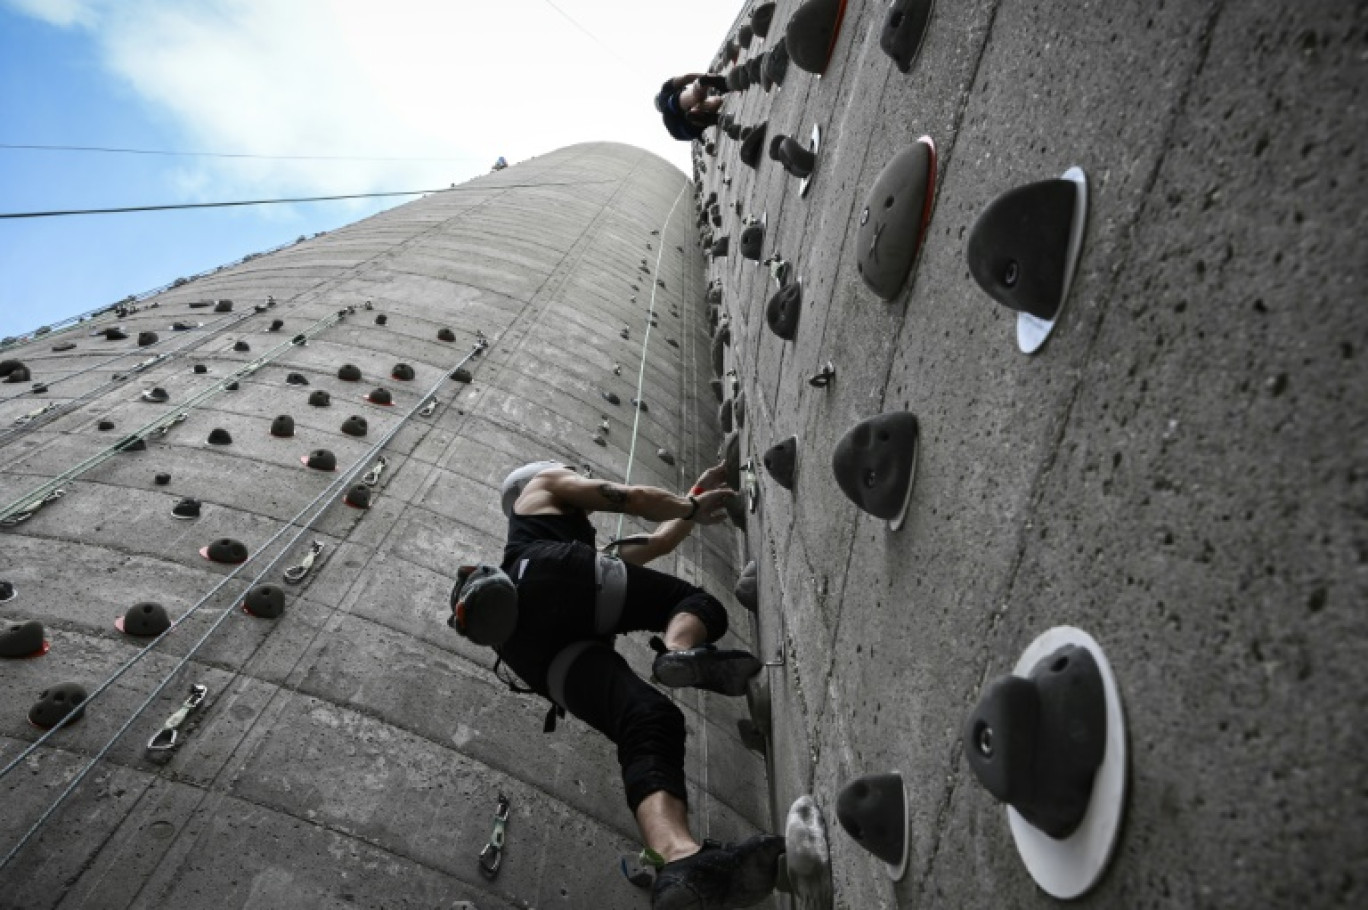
{"type": "Point", "coordinates": [28, 511]}
{"type": "Point", "coordinates": [373, 475]}
{"type": "Point", "coordinates": [491, 857]}
{"type": "Point", "coordinates": [295, 574]}
{"type": "Point", "coordinates": [168, 737]}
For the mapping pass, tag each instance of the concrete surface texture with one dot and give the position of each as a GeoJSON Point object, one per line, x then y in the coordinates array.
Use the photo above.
{"type": "Point", "coordinates": [352, 751]}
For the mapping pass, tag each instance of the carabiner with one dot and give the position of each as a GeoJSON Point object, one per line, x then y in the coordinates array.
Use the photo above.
{"type": "Point", "coordinates": [491, 857]}
{"type": "Point", "coordinates": [168, 737]}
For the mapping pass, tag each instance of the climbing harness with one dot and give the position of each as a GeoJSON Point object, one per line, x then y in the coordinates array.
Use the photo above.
{"type": "Point", "coordinates": [491, 857]}
{"type": "Point", "coordinates": [168, 737]}
{"type": "Point", "coordinates": [295, 574]}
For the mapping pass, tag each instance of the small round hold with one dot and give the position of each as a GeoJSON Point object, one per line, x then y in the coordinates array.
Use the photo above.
{"type": "Point", "coordinates": [380, 395]}
{"type": "Point", "coordinates": [264, 602]}
{"type": "Point", "coordinates": [220, 437]}
{"type": "Point", "coordinates": [231, 386]}
{"type": "Point", "coordinates": [665, 456]}
{"type": "Point", "coordinates": [56, 703]}
{"type": "Point", "coordinates": [753, 146]}
{"type": "Point", "coordinates": [162, 479]}
{"type": "Point", "coordinates": [402, 372]}
{"type": "Point", "coordinates": [223, 306]}
{"type": "Point", "coordinates": [753, 241]}
{"type": "Point", "coordinates": [186, 509]}
{"type": "Point", "coordinates": [381, 319]}
{"type": "Point", "coordinates": [225, 550]}
{"type": "Point", "coordinates": [780, 460]}
{"type": "Point", "coordinates": [875, 464]}
{"type": "Point", "coordinates": [297, 379]}
{"type": "Point", "coordinates": [64, 346]}
{"type": "Point", "coordinates": [147, 338]}
{"type": "Point", "coordinates": [349, 372]}
{"type": "Point", "coordinates": [783, 310]}
{"type": "Point", "coordinates": [461, 374]}
{"type": "Point", "coordinates": [355, 425]}
{"type": "Point", "coordinates": [23, 639]}
{"type": "Point", "coordinates": [105, 425]}
{"type": "Point", "coordinates": [242, 346]}
{"type": "Point", "coordinates": [358, 497]}
{"type": "Point", "coordinates": [320, 460]}
{"type": "Point", "coordinates": [319, 398]}
{"type": "Point", "coordinates": [201, 368]}
{"type": "Point", "coordinates": [156, 395]}
{"type": "Point", "coordinates": [283, 426]}
{"type": "Point", "coordinates": [39, 388]}
{"type": "Point", "coordinates": [747, 588]}
{"type": "Point", "coordinates": [276, 325]}
{"type": "Point", "coordinates": [446, 335]}
{"type": "Point", "coordinates": [725, 414]}
{"type": "Point", "coordinates": [873, 810]}
{"type": "Point", "coordinates": [904, 30]}
{"type": "Point", "coordinates": [144, 620]}
{"type": "Point", "coordinates": [115, 334]}
{"type": "Point", "coordinates": [611, 398]}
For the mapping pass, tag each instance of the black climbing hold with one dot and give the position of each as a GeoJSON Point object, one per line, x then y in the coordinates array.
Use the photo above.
{"type": "Point", "coordinates": [156, 395]}
{"type": "Point", "coordinates": [381, 319]}
{"type": "Point", "coordinates": [599, 440]}
{"type": "Point", "coordinates": [186, 509]}
{"type": "Point", "coordinates": [739, 409]}
{"type": "Point", "coordinates": [446, 335]}
{"type": "Point", "coordinates": [380, 396]}
{"type": "Point", "coordinates": [200, 368]}
{"type": "Point", "coordinates": [811, 33]}
{"type": "Point", "coordinates": [18, 373]}
{"type": "Point", "coordinates": [461, 374]}
{"type": "Point", "coordinates": [264, 602]}
{"type": "Point", "coordinates": [734, 77]}
{"type": "Point", "coordinates": [355, 425]}
{"type": "Point", "coordinates": [220, 437]}
{"type": "Point", "coordinates": [744, 35]}
{"type": "Point", "coordinates": [349, 372]}
{"type": "Point", "coordinates": [223, 306]}
{"type": "Point", "coordinates": [402, 372]}
{"type": "Point", "coordinates": [115, 334]}
{"type": "Point", "coordinates": [665, 456]}
{"type": "Point", "coordinates": [179, 326]}
{"type": "Point", "coordinates": [55, 703]}
{"type": "Point", "coordinates": [724, 415]}
{"type": "Point", "coordinates": [64, 346]}
{"type": "Point", "coordinates": [731, 460]}
{"type": "Point", "coordinates": [146, 338]}
{"type": "Point", "coordinates": [719, 348]}
{"type": "Point", "coordinates": [612, 398]}
{"type": "Point", "coordinates": [875, 462]}
{"type": "Point", "coordinates": [319, 398]}
{"type": "Point", "coordinates": [300, 340]}
{"type": "Point", "coordinates": [755, 69]}
{"type": "Point", "coordinates": [1023, 248]}
{"type": "Point", "coordinates": [231, 386]}
{"type": "Point", "coordinates": [283, 426]}
{"type": "Point", "coordinates": [105, 425]}
{"type": "Point", "coordinates": [894, 218]}
{"type": "Point", "coordinates": [873, 810]}
{"type": "Point", "coordinates": [736, 511]}
{"type": "Point", "coordinates": [760, 19]}
{"type": "Point", "coordinates": [144, 620]}
{"type": "Point", "coordinates": [753, 145]}
{"type": "Point", "coordinates": [640, 405]}
{"type": "Point", "coordinates": [747, 588]}
{"type": "Point", "coordinates": [7, 591]}
{"type": "Point", "coordinates": [752, 241]}
{"type": "Point", "coordinates": [783, 310]}
{"type": "Point", "coordinates": [242, 346]}
{"type": "Point", "coordinates": [904, 29]}
{"type": "Point", "coordinates": [776, 62]}
{"type": "Point", "coordinates": [358, 497]}
{"type": "Point", "coordinates": [720, 247]}
{"type": "Point", "coordinates": [39, 388]}
{"type": "Point", "coordinates": [780, 460]}
{"type": "Point", "coordinates": [23, 640]}
{"type": "Point", "coordinates": [1036, 743]}
{"type": "Point", "coordinates": [200, 304]}
{"type": "Point", "coordinates": [297, 379]}
{"type": "Point", "coordinates": [796, 158]}
{"type": "Point", "coordinates": [625, 333]}
{"type": "Point", "coordinates": [132, 444]}
{"type": "Point", "coordinates": [162, 479]}
{"type": "Point", "coordinates": [716, 386]}
{"type": "Point", "coordinates": [276, 325]}
{"type": "Point", "coordinates": [320, 460]}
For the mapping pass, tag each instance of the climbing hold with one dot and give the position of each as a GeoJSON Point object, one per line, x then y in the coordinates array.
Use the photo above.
{"type": "Point", "coordinates": [264, 602]}
{"type": "Point", "coordinates": [186, 509]}
{"type": "Point", "coordinates": [807, 855]}
{"type": "Point", "coordinates": [231, 386]}
{"type": "Point", "coordinates": [780, 461]}
{"type": "Point", "coordinates": [731, 460]}
{"type": "Point", "coordinates": [131, 444]}
{"type": "Point", "coordinates": [180, 326]}
{"type": "Point", "coordinates": [9, 366]}
{"type": "Point", "coordinates": [776, 63]}
{"type": "Point", "coordinates": [783, 310]}
{"type": "Point", "coordinates": [56, 703]}
{"type": "Point", "coordinates": [873, 810]}
{"type": "Point", "coordinates": [39, 388]}
{"type": "Point", "coordinates": [611, 398]}
{"type": "Point", "coordinates": [714, 294]}
{"type": "Point", "coordinates": [446, 335]}
{"type": "Point", "coordinates": [300, 340]}
{"type": "Point", "coordinates": [381, 319]}
{"type": "Point", "coordinates": [349, 372]}
{"type": "Point", "coordinates": [144, 620]}
{"type": "Point", "coordinates": [461, 374]}
{"type": "Point", "coordinates": [875, 463]}
{"type": "Point", "coordinates": [199, 304]}
{"type": "Point", "coordinates": [105, 425]}
{"type": "Point", "coordinates": [760, 19]}
{"type": "Point", "coordinates": [811, 33]}
{"type": "Point", "coordinates": [752, 240]}
{"type": "Point", "coordinates": [358, 497]}
{"type": "Point", "coordinates": [64, 346]}
{"type": "Point", "coordinates": [747, 588]}
{"type": "Point", "coordinates": [18, 373]}
{"type": "Point", "coordinates": [162, 479]}
{"type": "Point", "coordinates": [320, 460]}
{"type": "Point", "coordinates": [276, 325]}
{"type": "Point", "coordinates": [744, 35]}
{"type": "Point", "coordinates": [753, 145]}
{"type": "Point", "coordinates": [665, 456]}
{"type": "Point", "coordinates": [599, 440]}
{"type": "Point", "coordinates": [716, 386]}
{"type": "Point", "coordinates": [904, 29]}
{"type": "Point", "coordinates": [355, 425]}
{"type": "Point", "coordinates": [283, 426]}
{"type": "Point", "coordinates": [23, 640]}
{"type": "Point", "coordinates": [156, 395]}
{"type": "Point", "coordinates": [380, 395]}
{"type": "Point", "coordinates": [223, 306]}
{"type": "Point", "coordinates": [147, 338]}
{"type": "Point", "coordinates": [894, 218]}
{"type": "Point", "coordinates": [755, 69]}
{"type": "Point", "coordinates": [115, 334]}
{"type": "Point", "coordinates": [220, 437]}
{"type": "Point", "coordinates": [226, 550]}
{"type": "Point", "coordinates": [242, 346]}
{"type": "Point", "coordinates": [200, 369]}
{"type": "Point", "coordinates": [738, 407]}
{"type": "Point", "coordinates": [734, 77]}
{"type": "Point", "coordinates": [625, 333]}
{"type": "Point", "coordinates": [7, 591]}
{"type": "Point", "coordinates": [640, 405]}
{"type": "Point", "coordinates": [1050, 740]}
{"type": "Point", "coordinates": [319, 398]}
{"type": "Point", "coordinates": [402, 372]}
{"type": "Point", "coordinates": [724, 415]}
{"type": "Point", "coordinates": [297, 379]}
{"type": "Point", "coordinates": [1023, 250]}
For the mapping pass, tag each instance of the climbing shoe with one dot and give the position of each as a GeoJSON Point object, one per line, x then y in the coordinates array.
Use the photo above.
{"type": "Point", "coordinates": [720, 877]}
{"type": "Point", "coordinates": [705, 667]}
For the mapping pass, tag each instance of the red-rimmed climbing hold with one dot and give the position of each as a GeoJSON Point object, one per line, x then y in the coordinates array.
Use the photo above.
{"type": "Point", "coordinates": [319, 460]}
{"type": "Point", "coordinates": [402, 372]}
{"type": "Point", "coordinates": [264, 602]}
{"type": "Point", "coordinates": [355, 425]}
{"type": "Point", "coordinates": [381, 396]}
{"type": "Point", "coordinates": [225, 550]}
{"type": "Point", "coordinates": [358, 497]}
{"type": "Point", "coordinates": [811, 33]}
{"type": "Point", "coordinates": [55, 703]}
{"type": "Point", "coordinates": [23, 640]}
{"type": "Point", "coordinates": [144, 620]}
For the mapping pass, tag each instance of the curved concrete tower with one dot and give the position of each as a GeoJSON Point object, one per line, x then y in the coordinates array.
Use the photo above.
{"type": "Point", "coordinates": [350, 752]}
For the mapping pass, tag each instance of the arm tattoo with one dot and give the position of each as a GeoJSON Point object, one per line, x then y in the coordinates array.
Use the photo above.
{"type": "Point", "coordinates": [615, 495]}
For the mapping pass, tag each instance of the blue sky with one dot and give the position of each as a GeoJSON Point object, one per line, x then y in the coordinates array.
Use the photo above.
{"type": "Point", "coordinates": [405, 79]}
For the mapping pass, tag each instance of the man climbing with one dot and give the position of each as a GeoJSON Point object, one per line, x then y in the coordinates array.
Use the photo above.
{"type": "Point", "coordinates": [550, 611]}
{"type": "Point", "coordinates": [689, 104]}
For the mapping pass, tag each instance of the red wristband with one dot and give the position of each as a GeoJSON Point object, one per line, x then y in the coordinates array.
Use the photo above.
{"type": "Point", "coordinates": [697, 490]}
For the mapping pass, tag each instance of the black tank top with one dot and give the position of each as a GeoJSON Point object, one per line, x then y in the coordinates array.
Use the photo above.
{"type": "Point", "coordinates": [526, 530]}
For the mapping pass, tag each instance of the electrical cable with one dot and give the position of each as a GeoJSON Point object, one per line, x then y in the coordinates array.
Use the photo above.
{"type": "Point", "coordinates": [128, 151]}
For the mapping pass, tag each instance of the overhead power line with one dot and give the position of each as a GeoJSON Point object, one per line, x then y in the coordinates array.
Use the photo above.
{"type": "Point", "coordinates": [128, 151]}
{"type": "Point", "coordinates": [206, 205]}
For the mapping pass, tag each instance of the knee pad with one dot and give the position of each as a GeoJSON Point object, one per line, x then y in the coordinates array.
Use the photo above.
{"type": "Point", "coordinates": [708, 609]}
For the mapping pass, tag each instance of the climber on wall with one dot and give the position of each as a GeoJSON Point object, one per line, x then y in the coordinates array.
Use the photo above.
{"type": "Point", "coordinates": [551, 609]}
{"type": "Point", "coordinates": [689, 103]}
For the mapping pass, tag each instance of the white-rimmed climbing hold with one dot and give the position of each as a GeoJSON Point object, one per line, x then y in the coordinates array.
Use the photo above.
{"type": "Point", "coordinates": [893, 220]}
{"type": "Point", "coordinates": [875, 464]}
{"type": "Point", "coordinates": [1023, 251]}
{"type": "Point", "coordinates": [1050, 741]}
{"type": "Point", "coordinates": [874, 811]}
{"type": "Point", "coordinates": [23, 640]}
{"type": "Point", "coordinates": [807, 853]}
